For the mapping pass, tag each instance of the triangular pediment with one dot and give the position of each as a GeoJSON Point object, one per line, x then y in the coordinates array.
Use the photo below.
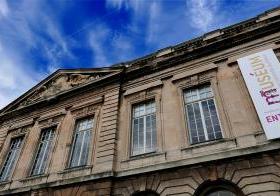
{"type": "Point", "coordinates": [59, 82]}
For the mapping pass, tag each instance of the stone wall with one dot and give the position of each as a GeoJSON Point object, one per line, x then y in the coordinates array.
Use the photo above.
{"type": "Point", "coordinates": [257, 175]}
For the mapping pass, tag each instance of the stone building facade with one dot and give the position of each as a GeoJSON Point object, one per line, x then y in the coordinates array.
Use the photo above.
{"type": "Point", "coordinates": [177, 122]}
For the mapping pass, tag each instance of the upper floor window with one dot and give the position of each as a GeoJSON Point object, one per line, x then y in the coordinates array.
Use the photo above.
{"type": "Point", "coordinates": [11, 159]}
{"type": "Point", "coordinates": [203, 122]}
{"type": "Point", "coordinates": [81, 142]}
{"type": "Point", "coordinates": [43, 152]}
{"type": "Point", "coordinates": [144, 137]}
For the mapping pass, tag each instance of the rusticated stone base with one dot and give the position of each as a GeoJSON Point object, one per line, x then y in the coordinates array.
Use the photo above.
{"type": "Point", "coordinates": [258, 175]}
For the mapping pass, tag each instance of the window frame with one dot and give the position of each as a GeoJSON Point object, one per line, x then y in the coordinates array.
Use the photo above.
{"type": "Point", "coordinates": [9, 139]}
{"type": "Point", "coordinates": [90, 146]}
{"type": "Point", "coordinates": [144, 125]}
{"type": "Point", "coordinates": [55, 133]}
{"type": "Point", "coordinates": [129, 101]}
{"type": "Point", "coordinates": [213, 97]}
{"type": "Point", "coordinates": [189, 80]}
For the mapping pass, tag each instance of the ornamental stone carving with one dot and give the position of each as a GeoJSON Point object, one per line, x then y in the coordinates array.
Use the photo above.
{"type": "Point", "coordinates": [60, 83]}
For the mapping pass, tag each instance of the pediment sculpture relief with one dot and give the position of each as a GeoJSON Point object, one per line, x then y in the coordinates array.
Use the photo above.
{"type": "Point", "coordinates": [58, 84]}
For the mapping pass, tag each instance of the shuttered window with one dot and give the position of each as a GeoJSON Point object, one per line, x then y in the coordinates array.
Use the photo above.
{"type": "Point", "coordinates": [11, 159]}
{"type": "Point", "coordinates": [203, 122]}
{"type": "Point", "coordinates": [81, 142]}
{"type": "Point", "coordinates": [43, 151]}
{"type": "Point", "coordinates": [144, 137]}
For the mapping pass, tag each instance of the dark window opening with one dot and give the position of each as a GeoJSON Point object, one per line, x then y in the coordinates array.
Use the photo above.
{"type": "Point", "coordinates": [145, 193]}
{"type": "Point", "coordinates": [218, 188]}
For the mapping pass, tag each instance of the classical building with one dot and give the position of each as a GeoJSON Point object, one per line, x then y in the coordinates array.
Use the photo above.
{"type": "Point", "coordinates": [180, 121]}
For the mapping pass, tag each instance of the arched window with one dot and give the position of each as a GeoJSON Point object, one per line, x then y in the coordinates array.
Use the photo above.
{"type": "Point", "coordinates": [145, 193]}
{"type": "Point", "coordinates": [220, 193]}
{"type": "Point", "coordinates": [218, 188]}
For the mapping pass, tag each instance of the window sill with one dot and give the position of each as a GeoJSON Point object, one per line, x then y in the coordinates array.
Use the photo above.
{"type": "Point", "coordinates": [207, 143]}
{"type": "Point", "coordinates": [34, 177]}
{"type": "Point", "coordinates": [72, 169]}
{"type": "Point", "coordinates": [3, 183]}
{"type": "Point", "coordinates": [143, 156]}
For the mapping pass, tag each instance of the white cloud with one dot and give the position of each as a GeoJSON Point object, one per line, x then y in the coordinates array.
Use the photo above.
{"type": "Point", "coordinates": [118, 4]}
{"type": "Point", "coordinates": [153, 22]}
{"type": "Point", "coordinates": [163, 23]}
{"type": "Point", "coordinates": [135, 5]}
{"type": "Point", "coordinates": [202, 13]}
{"type": "Point", "coordinates": [58, 48]}
{"type": "Point", "coordinates": [121, 43]}
{"type": "Point", "coordinates": [14, 78]}
{"type": "Point", "coordinates": [4, 9]}
{"type": "Point", "coordinates": [28, 29]}
{"type": "Point", "coordinates": [97, 39]}
{"type": "Point", "coordinates": [109, 46]}
{"type": "Point", "coordinates": [145, 17]}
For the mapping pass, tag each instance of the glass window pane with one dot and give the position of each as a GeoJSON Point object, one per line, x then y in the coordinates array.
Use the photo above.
{"type": "Point", "coordinates": [81, 142]}
{"type": "Point", "coordinates": [43, 152]}
{"type": "Point", "coordinates": [214, 119]}
{"type": "Point", "coordinates": [135, 136]}
{"type": "Point", "coordinates": [199, 125]}
{"type": "Point", "coordinates": [141, 135]}
{"type": "Point", "coordinates": [191, 95]}
{"type": "Point", "coordinates": [85, 148]}
{"type": "Point", "coordinates": [148, 133]}
{"type": "Point", "coordinates": [202, 117]}
{"type": "Point", "coordinates": [143, 128]}
{"type": "Point", "coordinates": [208, 120]}
{"type": "Point", "coordinates": [192, 123]}
{"type": "Point", "coordinates": [11, 159]}
{"type": "Point", "coordinates": [77, 149]}
{"type": "Point", "coordinates": [154, 132]}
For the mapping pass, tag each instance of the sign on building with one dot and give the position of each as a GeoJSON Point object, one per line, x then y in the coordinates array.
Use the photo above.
{"type": "Point", "coordinates": [261, 72]}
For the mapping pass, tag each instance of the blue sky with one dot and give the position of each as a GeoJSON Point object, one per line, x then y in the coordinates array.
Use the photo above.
{"type": "Point", "coordinates": [39, 36]}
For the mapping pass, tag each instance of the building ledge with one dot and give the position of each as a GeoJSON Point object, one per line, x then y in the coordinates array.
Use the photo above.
{"type": "Point", "coordinates": [218, 155]}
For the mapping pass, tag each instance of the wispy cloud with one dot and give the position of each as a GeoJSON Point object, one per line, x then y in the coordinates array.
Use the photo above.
{"type": "Point", "coordinates": [202, 13]}
{"type": "Point", "coordinates": [97, 41]}
{"type": "Point", "coordinates": [14, 77]}
{"type": "Point", "coordinates": [109, 46]}
{"type": "Point", "coordinates": [4, 9]}
{"type": "Point", "coordinates": [126, 4]}
{"type": "Point", "coordinates": [38, 37]}
{"type": "Point", "coordinates": [166, 23]}
{"type": "Point", "coordinates": [153, 22]}
{"type": "Point", "coordinates": [26, 31]}
{"type": "Point", "coordinates": [118, 4]}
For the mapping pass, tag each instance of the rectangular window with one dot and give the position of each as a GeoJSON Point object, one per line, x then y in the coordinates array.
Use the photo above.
{"type": "Point", "coordinates": [81, 142]}
{"type": "Point", "coordinates": [11, 158]}
{"type": "Point", "coordinates": [144, 137]}
{"type": "Point", "coordinates": [202, 117]}
{"type": "Point", "coordinates": [43, 152]}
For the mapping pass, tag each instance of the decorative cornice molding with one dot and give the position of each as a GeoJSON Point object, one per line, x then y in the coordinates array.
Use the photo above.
{"type": "Point", "coordinates": [143, 87]}
{"type": "Point", "coordinates": [193, 72]}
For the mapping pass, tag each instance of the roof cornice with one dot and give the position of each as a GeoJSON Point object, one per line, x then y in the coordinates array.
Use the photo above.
{"type": "Point", "coordinates": [238, 33]}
